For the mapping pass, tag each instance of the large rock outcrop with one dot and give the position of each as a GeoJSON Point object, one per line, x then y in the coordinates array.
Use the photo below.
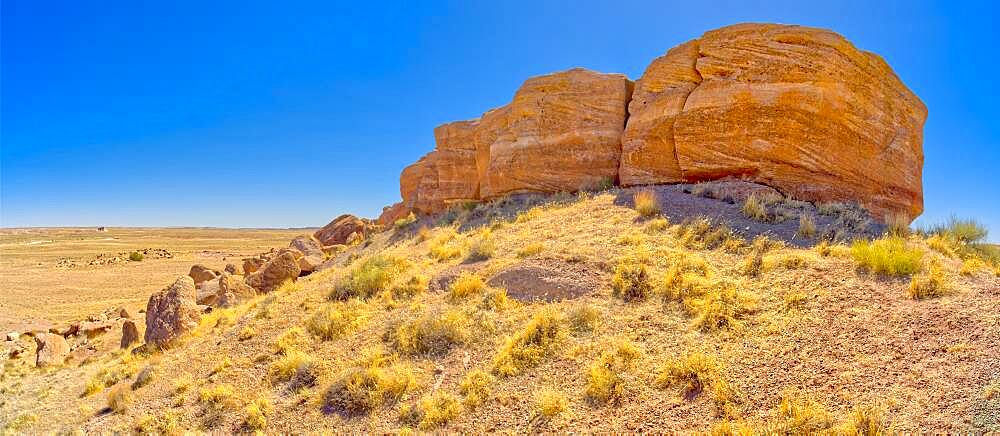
{"type": "Point", "coordinates": [796, 108]}
{"type": "Point", "coordinates": [341, 229]}
{"type": "Point", "coordinates": [271, 275]}
{"type": "Point", "coordinates": [172, 312]}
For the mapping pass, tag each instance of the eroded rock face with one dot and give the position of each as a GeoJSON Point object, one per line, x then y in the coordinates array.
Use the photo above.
{"type": "Point", "coordinates": [312, 253]}
{"type": "Point", "coordinates": [275, 272]}
{"type": "Point", "coordinates": [796, 108]}
{"type": "Point", "coordinates": [172, 312]}
{"type": "Point", "coordinates": [130, 334]}
{"type": "Point", "coordinates": [340, 229]}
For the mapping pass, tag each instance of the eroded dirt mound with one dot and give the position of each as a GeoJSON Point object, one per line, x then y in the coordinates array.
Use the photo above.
{"type": "Point", "coordinates": [547, 280]}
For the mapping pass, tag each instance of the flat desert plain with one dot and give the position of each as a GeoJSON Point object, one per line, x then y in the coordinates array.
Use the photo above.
{"type": "Point", "coordinates": [49, 276]}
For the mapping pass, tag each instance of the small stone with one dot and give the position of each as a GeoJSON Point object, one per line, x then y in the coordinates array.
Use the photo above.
{"type": "Point", "coordinates": [130, 334]}
{"type": "Point", "coordinates": [52, 350]}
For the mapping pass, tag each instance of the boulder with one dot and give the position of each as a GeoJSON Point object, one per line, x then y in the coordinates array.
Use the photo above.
{"type": "Point", "coordinates": [225, 291]}
{"type": "Point", "coordinates": [201, 273]}
{"type": "Point", "coordinates": [234, 269]}
{"type": "Point", "coordinates": [796, 108]}
{"type": "Point", "coordinates": [130, 334]}
{"type": "Point", "coordinates": [52, 349]}
{"type": "Point", "coordinates": [338, 230]}
{"type": "Point", "coordinates": [125, 313]}
{"type": "Point", "coordinates": [312, 253]}
{"type": "Point", "coordinates": [172, 312]}
{"type": "Point", "coordinates": [252, 264]}
{"type": "Point", "coordinates": [92, 329]}
{"type": "Point", "coordinates": [391, 214]}
{"type": "Point", "coordinates": [275, 272]}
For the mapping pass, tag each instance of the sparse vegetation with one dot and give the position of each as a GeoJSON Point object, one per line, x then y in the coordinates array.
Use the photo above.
{"type": "Point", "coordinates": [702, 234]}
{"type": "Point", "coordinates": [372, 381]}
{"type": "Point", "coordinates": [889, 256]}
{"type": "Point", "coordinates": [135, 256]}
{"type": "Point", "coordinates": [631, 281]}
{"type": "Point", "coordinates": [531, 344]}
{"type": "Point", "coordinates": [371, 277]}
{"type": "Point", "coordinates": [483, 248]}
{"type": "Point", "coordinates": [550, 402]}
{"type": "Point", "coordinates": [466, 285]}
{"type": "Point", "coordinates": [800, 415]}
{"type": "Point", "coordinates": [583, 318]}
{"type": "Point", "coordinates": [657, 225]}
{"type": "Point", "coordinates": [530, 249]}
{"type": "Point", "coordinates": [447, 245]}
{"type": "Point", "coordinates": [405, 222]}
{"type": "Point", "coordinates": [432, 411]}
{"type": "Point", "coordinates": [753, 208]}
{"type": "Point", "coordinates": [477, 387]}
{"type": "Point", "coordinates": [165, 423]}
{"type": "Point", "coordinates": [335, 319]}
{"type": "Point", "coordinates": [932, 283]}
{"type": "Point", "coordinates": [430, 333]}
{"type": "Point", "coordinates": [807, 227]}
{"type": "Point", "coordinates": [646, 203]}
{"type": "Point", "coordinates": [218, 396]}
{"type": "Point", "coordinates": [297, 368]}
{"type": "Point", "coordinates": [721, 306]}
{"type": "Point", "coordinates": [119, 398]}
{"type": "Point", "coordinates": [255, 418]}
{"type": "Point", "coordinates": [605, 377]}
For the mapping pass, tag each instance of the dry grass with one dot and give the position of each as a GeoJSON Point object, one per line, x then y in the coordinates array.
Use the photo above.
{"type": "Point", "coordinates": [371, 277]}
{"type": "Point", "coordinates": [550, 402]}
{"type": "Point", "coordinates": [477, 385]}
{"type": "Point", "coordinates": [890, 256]}
{"type": "Point", "coordinates": [374, 380]}
{"type": "Point", "coordinates": [605, 377]}
{"type": "Point", "coordinates": [646, 203]}
{"type": "Point", "coordinates": [531, 249]}
{"type": "Point", "coordinates": [446, 245]}
{"type": "Point", "coordinates": [754, 208]}
{"type": "Point", "coordinates": [932, 283]}
{"type": "Point", "coordinates": [807, 227]}
{"type": "Point", "coordinates": [297, 368]}
{"type": "Point", "coordinates": [720, 307]}
{"type": "Point", "coordinates": [483, 248]}
{"type": "Point", "coordinates": [333, 320]}
{"type": "Point", "coordinates": [430, 333]}
{"type": "Point", "coordinates": [531, 344]}
{"type": "Point", "coordinates": [657, 225]}
{"type": "Point", "coordinates": [631, 281]}
{"type": "Point", "coordinates": [466, 285]}
{"type": "Point", "coordinates": [583, 318]}
{"type": "Point", "coordinates": [256, 412]}
{"type": "Point", "coordinates": [119, 398]}
{"type": "Point", "coordinates": [432, 411]}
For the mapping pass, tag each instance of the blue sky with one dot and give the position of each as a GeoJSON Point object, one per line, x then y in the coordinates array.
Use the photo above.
{"type": "Point", "coordinates": [289, 113]}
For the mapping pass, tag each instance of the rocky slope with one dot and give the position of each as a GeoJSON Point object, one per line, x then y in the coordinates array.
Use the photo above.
{"type": "Point", "coordinates": [796, 108]}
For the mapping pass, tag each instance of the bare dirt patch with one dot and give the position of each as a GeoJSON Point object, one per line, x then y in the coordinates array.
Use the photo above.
{"type": "Point", "coordinates": [548, 280]}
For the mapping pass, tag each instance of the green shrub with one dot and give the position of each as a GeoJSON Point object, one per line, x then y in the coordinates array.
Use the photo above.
{"type": "Point", "coordinates": [890, 256]}
{"type": "Point", "coordinates": [405, 222]}
{"type": "Point", "coordinates": [135, 256]}
{"type": "Point", "coordinates": [373, 276]}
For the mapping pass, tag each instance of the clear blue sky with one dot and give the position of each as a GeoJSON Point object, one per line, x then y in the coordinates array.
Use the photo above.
{"type": "Point", "coordinates": [287, 113]}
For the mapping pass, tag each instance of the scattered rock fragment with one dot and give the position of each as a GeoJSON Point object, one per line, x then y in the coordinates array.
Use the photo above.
{"type": "Point", "coordinates": [234, 269]}
{"type": "Point", "coordinates": [13, 336]}
{"type": "Point", "coordinates": [130, 334]}
{"type": "Point", "coordinates": [275, 272]}
{"type": "Point", "coordinates": [201, 273]}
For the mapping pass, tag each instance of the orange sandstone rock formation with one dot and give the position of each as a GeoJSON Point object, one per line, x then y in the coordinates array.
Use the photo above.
{"type": "Point", "coordinates": [796, 108]}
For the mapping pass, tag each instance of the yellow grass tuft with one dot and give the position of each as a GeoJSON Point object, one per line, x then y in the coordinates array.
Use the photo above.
{"type": "Point", "coordinates": [646, 203]}
{"type": "Point", "coordinates": [256, 414]}
{"type": "Point", "coordinates": [447, 245]}
{"type": "Point", "coordinates": [929, 284]}
{"type": "Point", "coordinates": [530, 249]}
{"type": "Point", "coordinates": [550, 402]}
{"type": "Point", "coordinates": [720, 307]}
{"type": "Point", "coordinates": [219, 396]}
{"type": "Point", "coordinates": [119, 398]}
{"type": "Point", "coordinates": [432, 411]}
{"type": "Point", "coordinates": [631, 281]}
{"type": "Point", "coordinates": [295, 367]}
{"type": "Point", "coordinates": [583, 318]}
{"type": "Point", "coordinates": [374, 380]}
{"type": "Point", "coordinates": [807, 227]}
{"type": "Point", "coordinates": [290, 340]}
{"type": "Point", "coordinates": [754, 208]}
{"type": "Point", "coordinates": [890, 256]}
{"type": "Point", "coordinates": [477, 386]}
{"type": "Point", "coordinates": [657, 225]}
{"type": "Point", "coordinates": [333, 320]}
{"type": "Point", "coordinates": [483, 248]}
{"type": "Point", "coordinates": [800, 415]}
{"type": "Point", "coordinates": [166, 423]}
{"type": "Point", "coordinates": [972, 266]}
{"type": "Point", "coordinates": [431, 333]}
{"type": "Point", "coordinates": [605, 382]}
{"type": "Point", "coordinates": [868, 420]}
{"type": "Point", "coordinates": [465, 285]}
{"type": "Point", "coordinates": [531, 344]}
{"type": "Point", "coordinates": [371, 277]}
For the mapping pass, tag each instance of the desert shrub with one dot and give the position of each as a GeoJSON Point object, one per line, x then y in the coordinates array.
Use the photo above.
{"type": "Point", "coordinates": [112, 374]}
{"type": "Point", "coordinates": [720, 307]}
{"type": "Point", "coordinates": [447, 245]}
{"type": "Point", "coordinates": [119, 398]}
{"type": "Point", "coordinates": [798, 415]}
{"type": "Point", "coordinates": [183, 384]}
{"type": "Point", "coordinates": [606, 183]}
{"type": "Point", "coordinates": [495, 299]}
{"type": "Point", "coordinates": [789, 261]}
{"type": "Point", "coordinates": [412, 287]}
{"type": "Point", "coordinates": [831, 209]}
{"type": "Point", "coordinates": [135, 256]}
{"type": "Point", "coordinates": [295, 367]}
{"type": "Point", "coordinates": [605, 382]}
{"type": "Point", "coordinates": [826, 249]}
{"type": "Point", "coordinates": [290, 340]}
{"type": "Point", "coordinates": [333, 320]}
{"type": "Point", "coordinates": [807, 227]}
{"type": "Point", "coordinates": [483, 248]}
{"type": "Point", "coordinates": [868, 420]}
{"type": "Point", "coordinates": [531, 344]}
{"type": "Point", "coordinates": [246, 333]}
{"type": "Point", "coordinates": [550, 402]}
{"type": "Point", "coordinates": [256, 414]}
{"type": "Point", "coordinates": [432, 411]}
{"type": "Point", "coordinates": [684, 278]}
{"type": "Point", "coordinates": [423, 234]}
{"type": "Point", "coordinates": [431, 333]}
{"type": "Point", "coordinates": [583, 318]}
{"type": "Point", "coordinates": [476, 386]}
{"type": "Point", "coordinates": [889, 256]}
{"type": "Point", "coordinates": [631, 238]}
{"type": "Point", "coordinates": [929, 284]}
{"type": "Point", "coordinates": [166, 423]}
{"type": "Point", "coordinates": [374, 380]}
{"type": "Point", "coordinates": [219, 396]}
{"type": "Point", "coordinates": [371, 277]}
{"type": "Point", "coordinates": [693, 373]}
{"type": "Point", "coordinates": [701, 234]}
{"type": "Point", "coordinates": [530, 249]}
{"type": "Point", "coordinates": [646, 203]}
{"type": "Point", "coordinates": [657, 225]}
{"type": "Point", "coordinates": [405, 222]}
{"type": "Point", "coordinates": [465, 285]}
{"type": "Point", "coordinates": [528, 215]}
{"type": "Point", "coordinates": [753, 265]}
{"type": "Point", "coordinates": [964, 231]}
{"type": "Point", "coordinates": [631, 281]}
{"type": "Point", "coordinates": [972, 266]}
